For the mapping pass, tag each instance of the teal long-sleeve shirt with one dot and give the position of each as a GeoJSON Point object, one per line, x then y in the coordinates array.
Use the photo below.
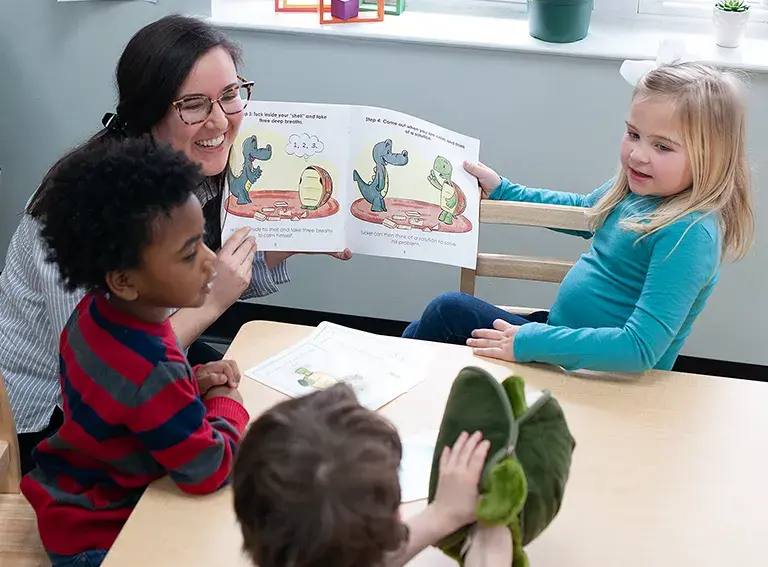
{"type": "Point", "coordinates": [625, 306]}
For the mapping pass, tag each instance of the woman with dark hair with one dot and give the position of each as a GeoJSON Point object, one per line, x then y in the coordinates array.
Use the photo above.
{"type": "Point", "coordinates": [177, 79]}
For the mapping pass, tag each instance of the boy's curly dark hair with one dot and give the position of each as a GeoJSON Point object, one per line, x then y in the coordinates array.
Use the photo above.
{"type": "Point", "coordinates": [98, 212]}
{"type": "Point", "coordinates": [316, 484]}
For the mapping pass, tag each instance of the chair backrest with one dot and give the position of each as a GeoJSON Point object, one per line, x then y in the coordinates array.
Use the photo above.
{"type": "Point", "coordinates": [523, 267]}
{"type": "Point", "coordinates": [10, 470]}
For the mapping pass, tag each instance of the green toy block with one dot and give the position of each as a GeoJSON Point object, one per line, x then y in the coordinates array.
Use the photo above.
{"type": "Point", "coordinates": [391, 7]}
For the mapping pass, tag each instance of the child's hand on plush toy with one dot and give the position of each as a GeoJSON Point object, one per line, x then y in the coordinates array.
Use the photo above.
{"type": "Point", "coordinates": [456, 496]}
{"type": "Point", "coordinates": [217, 373]}
{"type": "Point", "coordinates": [487, 177]}
{"type": "Point", "coordinates": [455, 501]}
{"type": "Point", "coordinates": [498, 342]}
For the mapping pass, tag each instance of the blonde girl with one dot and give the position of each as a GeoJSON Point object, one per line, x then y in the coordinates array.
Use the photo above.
{"type": "Point", "coordinates": [680, 202]}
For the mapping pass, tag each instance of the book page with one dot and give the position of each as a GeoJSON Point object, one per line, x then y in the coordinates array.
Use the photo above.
{"type": "Point", "coordinates": [287, 176]}
{"type": "Point", "coordinates": [412, 197]}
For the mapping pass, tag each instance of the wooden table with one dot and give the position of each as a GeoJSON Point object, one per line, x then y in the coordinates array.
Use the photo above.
{"type": "Point", "coordinates": [669, 469]}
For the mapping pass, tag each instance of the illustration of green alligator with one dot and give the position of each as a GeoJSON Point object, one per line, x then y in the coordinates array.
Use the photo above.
{"type": "Point", "coordinates": [239, 185]}
{"type": "Point", "coordinates": [375, 191]}
{"type": "Point", "coordinates": [452, 199]}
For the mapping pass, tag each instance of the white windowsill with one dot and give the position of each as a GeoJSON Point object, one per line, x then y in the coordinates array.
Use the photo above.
{"type": "Point", "coordinates": [636, 38]}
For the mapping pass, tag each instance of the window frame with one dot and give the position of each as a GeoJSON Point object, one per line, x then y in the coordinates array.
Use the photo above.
{"type": "Point", "coordinates": [489, 8]}
{"type": "Point", "coordinates": [696, 9]}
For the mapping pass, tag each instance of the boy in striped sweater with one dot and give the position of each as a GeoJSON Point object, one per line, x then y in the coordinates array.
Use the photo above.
{"type": "Point", "coordinates": [123, 223]}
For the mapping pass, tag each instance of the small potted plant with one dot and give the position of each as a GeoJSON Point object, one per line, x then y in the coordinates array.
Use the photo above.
{"type": "Point", "coordinates": [559, 21]}
{"type": "Point", "coordinates": [730, 18]}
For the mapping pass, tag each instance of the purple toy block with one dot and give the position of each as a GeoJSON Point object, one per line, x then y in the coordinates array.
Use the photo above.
{"type": "Point", "coordinates": [345, 9]}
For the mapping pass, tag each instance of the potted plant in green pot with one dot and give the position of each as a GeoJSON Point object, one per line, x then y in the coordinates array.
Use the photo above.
{"type": "Point", "coordinates": [730, 19]}
{"type": "Point", "coordinates": [559, 21]}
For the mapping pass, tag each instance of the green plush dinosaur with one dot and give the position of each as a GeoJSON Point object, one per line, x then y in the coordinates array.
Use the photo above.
{"type": "Point", "coordinates": [528, 463]}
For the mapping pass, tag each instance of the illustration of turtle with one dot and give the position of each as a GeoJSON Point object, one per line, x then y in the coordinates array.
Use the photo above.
{"type": "Point", "coordinates": [315, 187]}
{"type": "Point", "coordinates": [323, 380]}
{"type": "Point", "coordinates": [453, 202]}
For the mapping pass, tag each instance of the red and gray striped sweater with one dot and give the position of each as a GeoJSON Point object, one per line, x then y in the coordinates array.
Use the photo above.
{"type": "Point", "coordinates": [133, 414]}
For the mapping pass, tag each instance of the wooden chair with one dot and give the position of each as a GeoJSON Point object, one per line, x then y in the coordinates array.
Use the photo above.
{"type": "Point", "coordinates": [20, 544]}
{"type": "Point", "coordinates": [523, 267]}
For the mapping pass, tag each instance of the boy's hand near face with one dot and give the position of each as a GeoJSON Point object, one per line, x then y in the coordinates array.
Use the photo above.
{"type": "Point", "coordinates": [217, 373]}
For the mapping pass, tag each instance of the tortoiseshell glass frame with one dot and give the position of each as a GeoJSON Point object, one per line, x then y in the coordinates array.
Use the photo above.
{"type": "Point", "coordinates": [243, 84]}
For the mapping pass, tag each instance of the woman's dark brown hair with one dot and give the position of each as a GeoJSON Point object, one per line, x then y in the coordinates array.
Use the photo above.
{"type": "Point", "coordinates": [316, 484]}
{"type": "Point", "coordinates": [153, 66]}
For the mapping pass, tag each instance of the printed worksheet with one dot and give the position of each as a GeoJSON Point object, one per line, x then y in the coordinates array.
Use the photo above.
{"type": "Point", "coordinates": [404, 355]}
{"type": "Point", "coordinates": [379, 369]}
{"type": "Point", "coordinates": [307, 367]}
{"type": "Point", "coordinates": [309, 177]}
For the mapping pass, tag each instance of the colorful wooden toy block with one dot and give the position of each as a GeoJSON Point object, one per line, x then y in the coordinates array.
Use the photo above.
{"type": "Point", "coordinates": [326, 6]}
{"type": "Point", "coordinates": [345, 9]}
{"type": "Point", "coordinates": [391, 7]}
{"type": "Point", "coordinates": [298, 6]}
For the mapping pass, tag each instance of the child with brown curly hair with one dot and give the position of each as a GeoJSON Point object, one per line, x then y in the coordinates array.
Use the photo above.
{"type": "Point", "coordinates": [316, 485]}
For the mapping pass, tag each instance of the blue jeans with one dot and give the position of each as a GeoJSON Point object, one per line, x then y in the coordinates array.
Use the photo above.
{"type": "Point", "coordinates": [451, 318]}
{"type": "Point", "coordinates": [91, 558]}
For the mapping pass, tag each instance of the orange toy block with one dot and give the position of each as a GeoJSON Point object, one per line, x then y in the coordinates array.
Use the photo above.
{"type": "Point", "coordinates": [297, 6]}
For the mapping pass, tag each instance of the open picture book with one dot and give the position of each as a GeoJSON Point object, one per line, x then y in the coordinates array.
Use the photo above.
{"type": "Point", "coordinates": [309, 177]}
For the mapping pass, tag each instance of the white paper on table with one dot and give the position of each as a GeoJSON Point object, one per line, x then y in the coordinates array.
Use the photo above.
{"type": "Point", "coordinates": [416, 465]}
{"type": "Point", "coordinates": [309, 366]}
{"type": "Point", "coordinates": [409, 356]}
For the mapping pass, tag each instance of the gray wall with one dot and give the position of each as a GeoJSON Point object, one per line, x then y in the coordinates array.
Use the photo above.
{"type": "Point", "coordinates": [530, 130]}
{"type": "Point", "coordinates": [57, 63]}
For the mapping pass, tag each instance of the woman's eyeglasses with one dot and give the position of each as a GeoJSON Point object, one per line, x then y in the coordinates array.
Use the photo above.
{"type": "Point", "coordinates": [197, 108]}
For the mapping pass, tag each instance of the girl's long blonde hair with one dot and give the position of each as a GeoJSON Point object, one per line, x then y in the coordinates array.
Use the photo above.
{"type": "Point", "coordinates": [712, 111]}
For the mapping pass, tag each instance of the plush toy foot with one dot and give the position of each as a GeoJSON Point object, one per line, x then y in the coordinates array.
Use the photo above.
{"type": "Point", "coordinates": [503, 492]}
{"type": "Point", "coordinates": [519, 557]}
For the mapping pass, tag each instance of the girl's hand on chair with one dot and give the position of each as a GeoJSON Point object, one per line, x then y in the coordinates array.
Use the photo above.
{"type": "Point", "coordinates": [498, 342]}
{"type": "Point", "coordinates": [487, 178]}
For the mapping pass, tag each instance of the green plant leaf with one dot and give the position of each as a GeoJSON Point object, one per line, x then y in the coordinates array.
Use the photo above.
{"type": "Point", "coordinates": [732, 6]}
